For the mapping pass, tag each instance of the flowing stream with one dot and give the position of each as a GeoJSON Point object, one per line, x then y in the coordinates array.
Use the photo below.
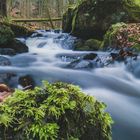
{"type": "Point", "coordinates": [50, 54]}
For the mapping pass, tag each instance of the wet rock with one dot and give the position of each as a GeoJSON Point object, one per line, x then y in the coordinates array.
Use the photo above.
{"type": "Point", "coordinates": [7, 51]}
{"type": "Point", "coordinates": [85, 62]}
{"type": "Point", "coordinates": [19, 47]}
{"type": "Point", "coordinates": [14, 47]}
{"type": "Point", "coordinates": [90, 56]}
{"type": "Point", "coordinates": [80, 64]}
{"type": "Point", "coordinates": [4, 61]}
{"type": "Point", "coordinates": [27, 82]}
{"type": "Point", "coordinates": [36, 34]}
{"type": "Point", "coordinates": [5, 76]}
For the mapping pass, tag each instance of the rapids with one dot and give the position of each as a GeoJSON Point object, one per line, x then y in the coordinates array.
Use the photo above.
{"type": "Point", "coordinates": [50, 53]}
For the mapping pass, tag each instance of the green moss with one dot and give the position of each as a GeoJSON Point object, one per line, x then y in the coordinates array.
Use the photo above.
{"type": "Point", "coordinates": [56, 111]}
{"type": "Point", "coordinates": [93, 44]}
{"type": "Point", "coordinates": [110, 36]}
{"type": "Point", "coordinates": [74, 20]}
{"type": "Point", "coordinates": [67, 19]}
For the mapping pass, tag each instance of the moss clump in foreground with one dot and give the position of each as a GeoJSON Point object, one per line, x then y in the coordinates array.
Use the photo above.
{"type": "Point", "coordinates": [56, 111]}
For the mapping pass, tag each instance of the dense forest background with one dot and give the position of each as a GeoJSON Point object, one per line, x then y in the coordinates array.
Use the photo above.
{"type": "Point", "coordinates": [36, 9]}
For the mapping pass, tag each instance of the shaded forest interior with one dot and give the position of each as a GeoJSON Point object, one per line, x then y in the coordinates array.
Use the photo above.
{"type": "Point", "coordinates": [35, 9]}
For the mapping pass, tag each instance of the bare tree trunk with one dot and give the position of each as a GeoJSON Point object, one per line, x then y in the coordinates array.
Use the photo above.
{"type": "Point", "coordinates": [48, 14]}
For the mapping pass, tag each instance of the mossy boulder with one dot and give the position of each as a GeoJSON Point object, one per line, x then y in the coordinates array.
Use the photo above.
{"type": "Point", "coordinates": [92, 18]}
{"type": "Point", "coordinates": [123, 35]}
{"type": "Point", "coordinates": [57, 111]}
{"type": "Point", "coordinates": [88, 45]}
{"type": "Point", "coordinates": [93, 44]}
{"type": "Point", "coordinates": [8, 41]}
{"type": "Point", "coordinates": [6, 34]}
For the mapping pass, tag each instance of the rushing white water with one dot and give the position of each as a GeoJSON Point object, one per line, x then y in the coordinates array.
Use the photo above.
{"type": "Point", "coordinates": [47, 59]}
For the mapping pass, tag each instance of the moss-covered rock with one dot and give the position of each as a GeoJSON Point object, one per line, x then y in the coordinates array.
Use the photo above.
{"type": "Point", "coordinates": [93, 44]}
{"type": "Point", "coordinates": [122, 35]}
{"type": "Point", "coordinates": [56, 111]}
{"type": "Point", "coordinates": [88, 45]}
{"type": "Point", "coordinates": [92, 18]}
{"type": "Point", "coordinates": [8, 32]}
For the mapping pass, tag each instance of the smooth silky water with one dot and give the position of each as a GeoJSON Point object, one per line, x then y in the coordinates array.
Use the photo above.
{"type": "Point", "coordinates": [115, 85]}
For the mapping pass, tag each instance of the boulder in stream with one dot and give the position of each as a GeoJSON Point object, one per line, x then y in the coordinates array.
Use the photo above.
{"type": "Point", "coordinates": [8, 41]}
{"type": "Point", "coordinates": [88, 61]}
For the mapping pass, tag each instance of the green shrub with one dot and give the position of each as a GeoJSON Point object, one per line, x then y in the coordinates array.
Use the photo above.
{"type": "Point", "coordinates": [56, 111]}
{"type": "Point", "coordinates": [6, 35]}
